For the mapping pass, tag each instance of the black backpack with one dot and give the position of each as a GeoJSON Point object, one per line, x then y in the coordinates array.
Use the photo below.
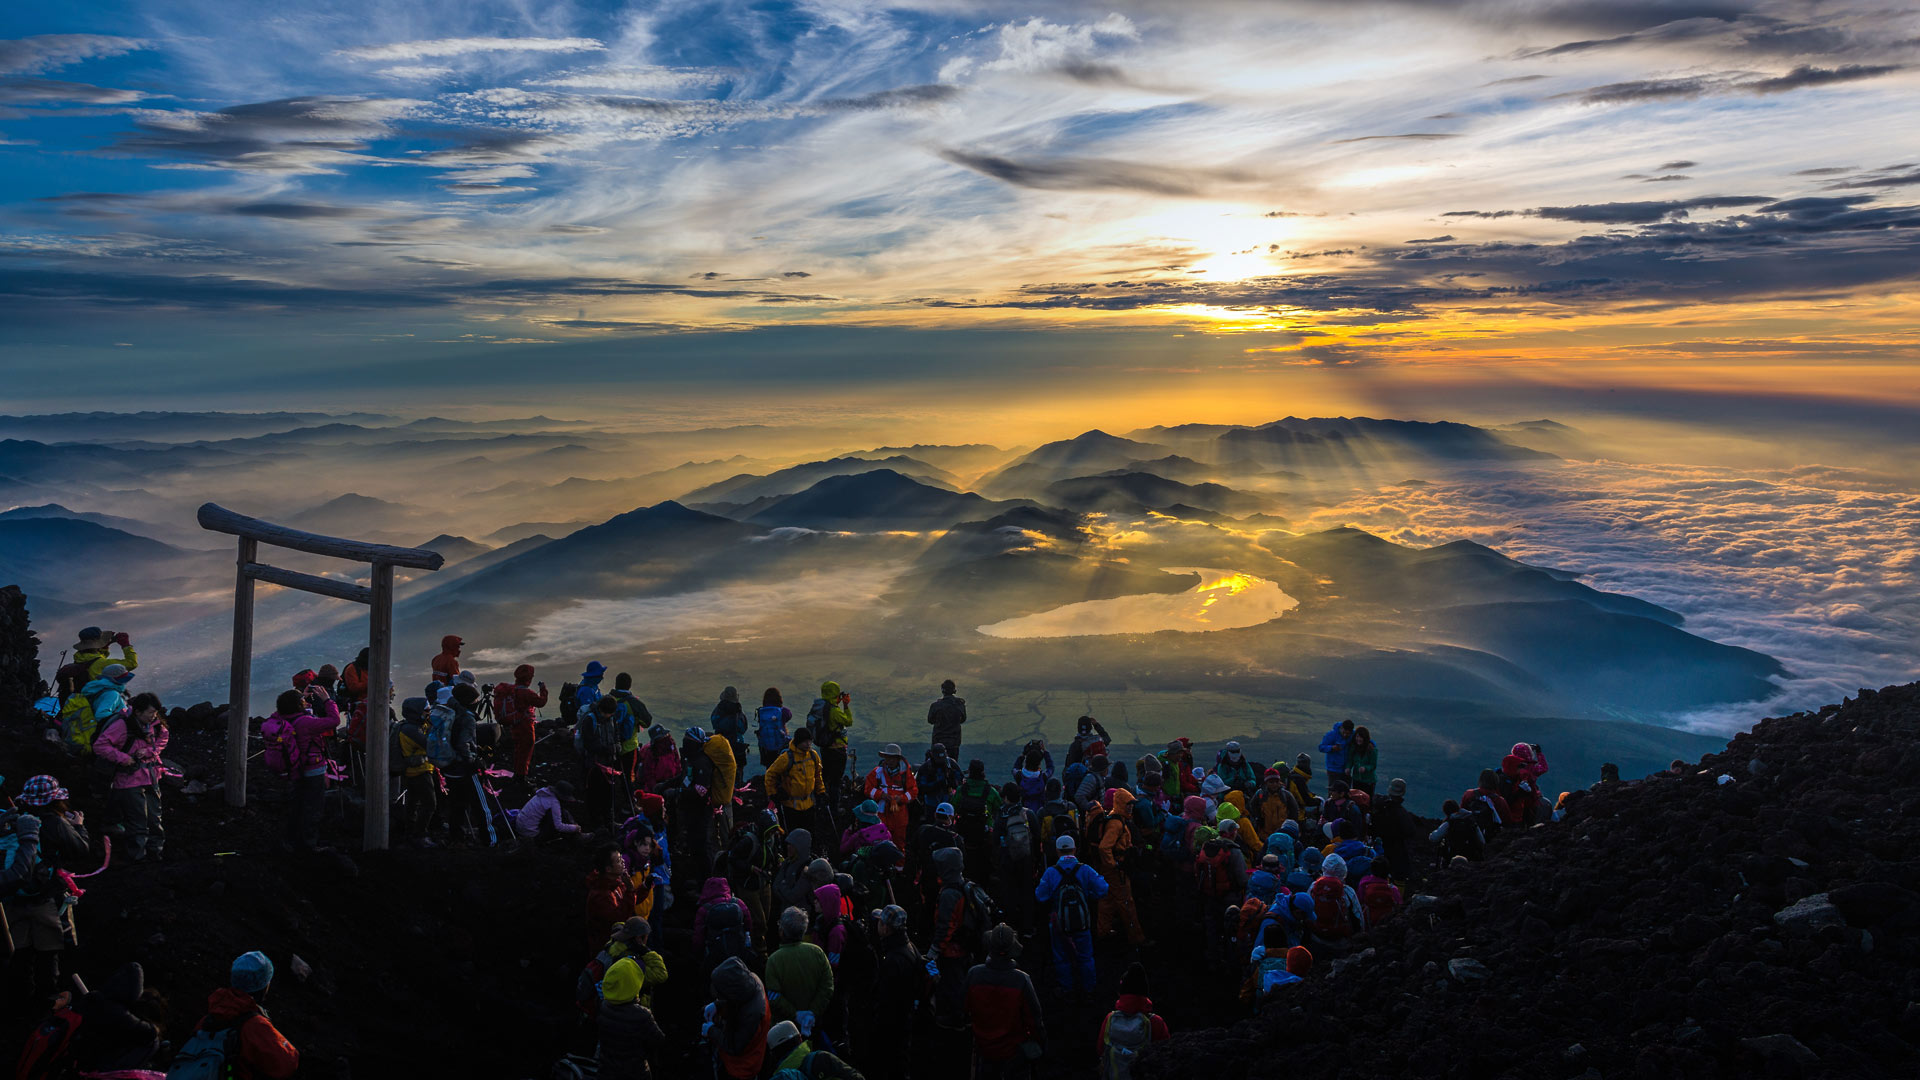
{"type": "Point", "coordinates": [857, 964]}
{"type": "Point", "coordinates": [1483, 812]}
{"type": "Point", "coordinates": [726, 929]}
{"type": "Point", "coordinates": [1070, 906]}
{"type": "Point", "coordinates": [973, 799]}
{"type": "Point", "coordinates": [1464, 835]}
{"type": "Point", "coordinates": [979, 915]}
{"type": "Point", "coordinates": [570, 703]}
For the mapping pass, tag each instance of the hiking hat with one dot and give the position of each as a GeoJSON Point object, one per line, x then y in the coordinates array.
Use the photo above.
{"type": "Point", "coordinates": [867, 812]}
{"type": "Point", "coordinates": [945, 809]}
{"type": "Point", "coordinates": [893, 915]}
{"type": "Point", "coordinates": [1304, 760]}
{"type": "Point", "coordinates": [1299, 960]}
{"type": "Point", "coordinates": [697, 733]}
{"type": "Point", "coordinates": [1271, 774]}
{"type": "Point", "coordinates": [1270, 862]}
{"type": "Point", "coordinates": [252, 972]}
{"type": "Point", "coordinates": [523, 673]}
{"type": "Point", "coordinates": [467, 677]}
{"type": "Point", "coordinates": [90, 635]}
{"type": "Point", "coordinates": [42, 791]}
{"type": "Point", "coordinates": [594, 670]}
{"type": "Point", "coordinates": [303, 679]}
{"type": "Point", "coordinates": [659, 731]}
{"type": "Point", "coordinates": [442, 695]}
{"type": "Point", "coordinates": [116, 673]}
{"type": "Point", "coordinates": [622, 982]}
{"type": "Point", "coordinates": [1397, 788]}
{"type": "Point", "coordinates": [886, 854]}
{"type": "Point", "coordinates": [1003, 940]}
{"type": "Point", "coordinates": [781, 1034]}
{"type": "Point", "coordinates": [1065, 843]}
{"type": "Point", "coordinates": [938, 751]}
{"type": "Point", "coordinates": [634, 929]}
{"type": "Point", "coordinates": [891, 750]}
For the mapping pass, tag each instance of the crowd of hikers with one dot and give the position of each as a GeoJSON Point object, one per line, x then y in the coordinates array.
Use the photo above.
{"type": "Point", "coordinates": [842, 917]}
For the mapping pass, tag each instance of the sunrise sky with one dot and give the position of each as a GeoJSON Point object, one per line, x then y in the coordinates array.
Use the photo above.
{"type": "Point", "coordinates": [1360, 199]}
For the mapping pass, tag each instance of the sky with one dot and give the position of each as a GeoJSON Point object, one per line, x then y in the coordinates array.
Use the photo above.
{"type": "Point", "coordinates": [1213, 204]}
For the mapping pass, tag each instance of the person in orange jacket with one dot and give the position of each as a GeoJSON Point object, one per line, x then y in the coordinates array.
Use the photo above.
{"type": "Point", "coordinates": [261, 1051]}
{"type": "Point", "coordinates": [892, 785]}
{"type": "Point", "coordinates": [446, 666]}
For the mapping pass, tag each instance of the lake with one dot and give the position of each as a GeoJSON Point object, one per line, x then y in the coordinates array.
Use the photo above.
{"type": "Point", "coordinates": [1224, 600]}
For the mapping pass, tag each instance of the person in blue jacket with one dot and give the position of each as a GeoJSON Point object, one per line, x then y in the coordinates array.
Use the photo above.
{"type": "Point", "coordinates": [1070, 888]}
{"type": "Point", "coordinates": [1336, 745]}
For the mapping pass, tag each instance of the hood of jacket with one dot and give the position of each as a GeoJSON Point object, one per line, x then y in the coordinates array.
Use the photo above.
{"type": "Point", "coordinates": [1194, 808]}
{"type": "Point", "coordinates": [734, 982]}
{"type": "Point", "coordinates": [830, 691]}
{"type": "Point", "coordinates": [1137, 1004]}
{"type": "Point", "coordinates": [1238, 800]}
{"type": "Point", "coordinates": [1335, 867]}
{"type": "Point", "coordinates": [802, 842]}
{"type": "Point", "coordinates": [950, 864]}
{"type": "Point", "coordinates": [1119, 800]}
{"type": "Point", "coordinates": [828, 899]}
{"type": "Point", "coordinates": [715, 890]}
{"type": "Point", "coordinates": [227, 1004]}
{"type": "Point", "coordinates": [451, 644]}
{"type": "Point", "coordinates": [125, 985]}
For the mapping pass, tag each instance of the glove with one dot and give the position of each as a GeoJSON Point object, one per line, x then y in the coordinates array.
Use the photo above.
{"type": "Point", "coordinates": [803, 1020]}
{"type": "Point", "coordinates": [27, 827]}
{"type": "Point", "coordinates": [122, 640]}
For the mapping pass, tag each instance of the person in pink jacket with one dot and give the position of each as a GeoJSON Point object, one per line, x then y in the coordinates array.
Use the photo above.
{"type": "Point", "coordinates": [310, 734]}
{"type": "Point", "coordinates": [132, 743]}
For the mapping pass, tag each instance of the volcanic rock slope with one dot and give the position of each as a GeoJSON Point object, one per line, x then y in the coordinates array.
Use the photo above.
{"type": "Point", "coordinates": [1683, 926]}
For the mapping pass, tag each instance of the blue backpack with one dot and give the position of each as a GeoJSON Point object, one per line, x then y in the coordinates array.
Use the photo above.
{"type": "Point", "coordinates": [206, 1054]}
{"type": "Point", "coordinates": [770, 728]}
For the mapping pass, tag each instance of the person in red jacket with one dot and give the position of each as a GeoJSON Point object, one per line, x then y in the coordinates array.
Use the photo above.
{"type": "Point", "coordinates": [446, 666]}
{"type": "Point", "coordinates": [1520, 773]}
{"type": "Point", "coordinates": [1129, 1027]}
{"type": "Point", "coordinates": [513, 706]}
{"type": "Point", "coordinates": [1489, 793]}
{"type": "Point", "coordinates": [261, 1051]}
{"type": "Point", "coordinates": [1004, 1011]}
{"type": "Point", "coordinates": [892, 785]}
{"type": "Point", "coordinates": [609, 896]}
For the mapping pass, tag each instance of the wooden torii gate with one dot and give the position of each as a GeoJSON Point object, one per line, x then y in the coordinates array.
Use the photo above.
{"type": "Point", "coordinates": [378, 597]}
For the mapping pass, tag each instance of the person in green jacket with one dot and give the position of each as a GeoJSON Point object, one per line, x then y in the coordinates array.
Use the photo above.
{"type": "Point", "coordinates": [799, 976]}
{"type": "Point", "coordinates": [1363, 761]}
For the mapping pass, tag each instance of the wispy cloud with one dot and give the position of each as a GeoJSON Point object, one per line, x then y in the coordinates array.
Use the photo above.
{"type": "Point", "coordinates": [468, 46]}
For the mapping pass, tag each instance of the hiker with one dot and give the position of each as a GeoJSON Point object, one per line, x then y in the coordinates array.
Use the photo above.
{"type": "Point", "coordinates": [790, 887]}
{"type": "Point", "coordinates": [628, 939]}
{"type": "Point", "coordinates": [796, 783]}
{"type": "Point", "coordinates": [53, 839]}
{"type": "Point", "coordinates": [1071, 888]}
{"type": "Point", "coordinates": [98, 701]}
{"type": "Point", "coordinates": [600, 739]}
{"type": "Point", "coordinates": [1089, 739]}
{"type": "Point", "coordinates": [729, 721]}
{"type": "Point", "coordinates": [1273, 805]}
{"type": "Point", "coordinates": [92, 652]}
{"type": "Point", "coordinates": [829, 719]}
{"type": "Point", "coordinates": [1520, 773]}
{"type": "Point", "coordinates": [353, 678]}
{"type": "Point", "coordinates": [867, 829]}
{"type": "Point", "coordinates": [1336, 907]}
{"type": "Point", "coordinates": [113, 1038]}
{"type": "Point", "coordinates": [790, 1052]}
{"type": "Point", "coordinates": [1129, 1027]}
{"type": "Point", "coordinates": [1234, 770]}
{"type": "Point", "coordinates": [420, 789]}
{"type": "Point", "coordinates": [1298, 781]}
{"type": "Point", "coordinates": [1004, 1011]}
{"type": "Point", "coordinates": [1276, 965]}
{"type": "Point", "coordinates": [723, 925]}
{"type": "Point", "coordinates": [937, 779]}
{"type": "Point", "coordinates": [1111, 852]}
{"type": "Point", "coordinates": [1488, 805]}
{"type": "Point", "coordinates": [799, 974]}
{"type": "Point", "coordinates": [1380, 898]}
{"type": "Point", "coordinates": [446, 666]}
{"type": "Point", "coordinates": [1341, 807]}
{"type": "Point", "coordinates": [1609, 777]}
{"type": "Point", "coordinates": [1015, 836]}
{"type": "Point", "coordinates": [892, 785]}
{"type": "Point", "coordinates": [946, 716]}
{"type": "Point", "coordinates": [770, 727]}
{"type": "Point", "coordinates": [544, 816]}
{"type": "Point", "coordinates": [1394, 826]}
{"type": "Point", "coordinates": [1265, 883]}
{"type": "Point", "coordinates": [659, 761]}
{"type": "Point", "coordinates": [132, 743]}
{"type": "Point", "coordinates": [296, 747]}
{"type": "Point", "coordinates": [956, 922]}
{"type": "Point", "coordinates": [898, 991]}
{"type": "Point", "coordinates": [1335, 746]}
{"type": "Point", "coordinates": [1363, 761]}
{"type": "Point", "coordinates": [1460, 834]}
{"type": "Point", "coordinates": [722, 776]}
{"type": "Point", "coordinates": [737, 1022]}
{"type": "Point", "coordinates": [1032, 773]}
{"type": "Point", "coordinates": [260, 1050]}
{"type": "Point", "coordinates": [609, 895]}
{"type": "Point", "coordinates": [628, 1034]}
{"type": "Point", "coordinates": [975, 803]}
{"type": "Point", "coordinates": [632, 718]}
{"type": "Point", "coordinates": [466, 797]}
{"type": "Point", "coordinates": [513, 707]}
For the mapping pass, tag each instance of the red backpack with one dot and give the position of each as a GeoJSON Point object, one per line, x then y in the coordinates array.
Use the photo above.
{"type": "Point", "coordinates": [505, 708]}
{"type": "Point", "coordinates": [46, 1048]}
{"type": "Point", "coordinates": [1379, 900]}
{"type": "Point", "coordinates": [1331, 917]}
{"type": "Point", "coordinates": [1213, 868]}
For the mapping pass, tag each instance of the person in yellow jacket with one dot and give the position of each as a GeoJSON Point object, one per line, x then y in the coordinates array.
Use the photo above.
{"type": "Point", "coordinates": [726, 776]}
{"type": "Point", "coordinates": [796, 783]}
{"type": "Point", "coordinates": [1111, 845]}
{"type": "Point", "coordinates": [92, 650]}
{"type": "Point", "coordinates": [830, 717]}
{"type": "Point", "coordinates": [1273, 804]}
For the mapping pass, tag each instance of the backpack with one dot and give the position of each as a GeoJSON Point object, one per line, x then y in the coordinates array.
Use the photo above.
{"type": "Point", "coordinates": [1213, 871]}
{"type": "Point", "coordinates": [283, 746]}
{"type": "Point", "coordinates": [1376, 899]}
{"type": "Point", "coordinates": [1127, 1033]}
{"type": "Point", "coordinates": [1483, 813]}
{"type": "Point", "coordinates": [1070, 780]}
{"type": "Point", "coordinates": [731, 726]}
{"type": "Point", "coordinates": [1272, 974]}
{"type": "Point", "coordinates": [1330, 915]}
{"type": "Point", "coordinates": [1174, 834]}
{"type": "Point", "coordinates": [1464, 837]}
{"type": "Point", "coordinates": [70, 678]}
{"type": "Point", "coordinates": [570, 703]}
{"type": "Point", "coordinates": [1056, 825]}
{"type": "Point", "coordinates": [1070, 908]}
{"type": "Point", "coordinates": [726, 929]}
{"type": "Point", "coordinates": [973, 799]}
{"type": "Point", "coordinates": [78, 724]}
{"type": "Point", "coordinates": [770, 728]}
{"type": "Point", "coordinates": [206, 1054]}
{"type": "Point", "coordinates": [440, 737]}
{"type": "Point", "coordinates": [1016, 833]}
{"type": "Point", "coordinates": [803, 1071]}
{"type": "Point", "coordinates": [505, 708]}
{"type": "Point", "coordinates": [977, 915]}
{"type": "Point", "coordinates": [46, 1047]}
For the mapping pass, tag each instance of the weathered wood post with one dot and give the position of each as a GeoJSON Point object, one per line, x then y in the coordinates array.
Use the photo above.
{"type": "Point", "coordinates": [240, 679]}
{"type": "Point", "coordinates": [378, 596]}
